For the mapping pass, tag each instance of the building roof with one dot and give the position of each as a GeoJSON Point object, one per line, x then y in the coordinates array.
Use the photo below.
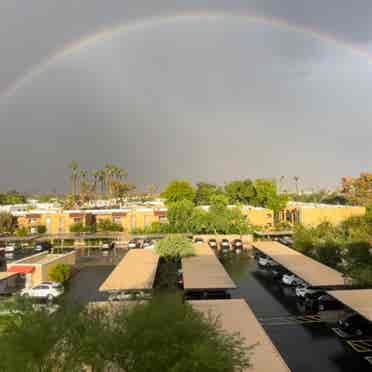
{"type": "Point", "coordinates": [359, 300]}
{"type": "Point", "coordinates": [274, 233]}
{"type": "Point", "coordinates": [205, 271]}
{"type": "Point", "coordinates": [235, 316]}
{"type": "Point", "coordinates": [5, 275]}
{"type": "Point", "coordinates": [21, 269]}
{"type": "Point", "coordinates": [319, 205]}
{"type": "Point", "coordinates": [136, 271]}
{"type": "Point", "coordinates": [313, 272]}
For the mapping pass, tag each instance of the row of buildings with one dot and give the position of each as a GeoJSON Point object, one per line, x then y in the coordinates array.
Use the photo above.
{"type": "Point", "coordinates": [131, 217]}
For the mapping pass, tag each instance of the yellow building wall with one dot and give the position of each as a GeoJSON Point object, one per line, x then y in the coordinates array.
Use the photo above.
{"type": "Point", "coordinates": [333, 215]}
{"type": "Point", "coordinates": [259, 217]}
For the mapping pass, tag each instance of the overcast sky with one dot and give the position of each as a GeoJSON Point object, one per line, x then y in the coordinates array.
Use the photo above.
{"type": "Point", "coordinates": [191, 89]}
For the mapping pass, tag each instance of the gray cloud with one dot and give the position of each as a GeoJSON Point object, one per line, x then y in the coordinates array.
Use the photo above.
{"type": "Point", "coordinates": [205, 99]}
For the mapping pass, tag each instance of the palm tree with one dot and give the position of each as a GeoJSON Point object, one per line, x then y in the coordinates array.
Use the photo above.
{"type": "Point", "coordinates": [297, 181]}
{"type": "Point", "coordinates": [281, 182]}
{"type": "Point", "coordinates": [95, 174]}
{"type": "Point", "coordinates": [74, 166]}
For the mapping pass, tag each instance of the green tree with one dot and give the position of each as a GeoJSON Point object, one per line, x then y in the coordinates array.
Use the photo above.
{"type": "Point", "coordinates": [164, 334]}
{"type": "Point", "coordinates": [174, 247]}
{"type": "Point", "coordinates": [179, 215]}
{"type": "Point", "coordinates": [205, 191]}
{"type": "Point", "coordinates": [179, 190]}
{"type": "Point", "coordinates": [21, 231]}
{"type": "Point", "coordinates": [6, 222]}
{"type": "Point", "coordinates": [267, 196]}
{"type": "Point", "coordinates": [60, 273]}
{"type": "Point", "coordinates": [240, 192]}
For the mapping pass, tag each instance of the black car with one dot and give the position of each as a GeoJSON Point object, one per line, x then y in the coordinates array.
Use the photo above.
{"type": "Point", "coordinates": [353, 325]}
{"type": "Point", "coordinates": [224, 245]}
{"type": "Point", "coordinates": [311, 300]}
{"type": "Point", "coordinates": [42, 247]}
{"type": "Point", "coordinates": [237, 244]}
{"type": "Point", "coordinates": [212, 243]}
{"type": "Point", "coordinates": [199, 240]}
{"type": "Point", "coordinates": [207, 295]}
{"type": "Point", "coordinates": [278, 271]}
{"type": "Point", "coordinates": [327, 302]}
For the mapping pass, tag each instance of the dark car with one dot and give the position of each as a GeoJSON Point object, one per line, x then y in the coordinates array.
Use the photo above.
{"type": "Point", "coordinates": [212, 243]}
{"type": "Point", "coordinates": [224, 245]}
{"type": "Point", "coordinates": [286, 241]}
{"type": "Point", "coordinates": [278, 271]}
{"type": "Point", "coordinates": [327, 302]}
{"type": "Point", "coordinates": [237, 244]}
{"type": "Point", "coordinates": [311, 300]}
{"type": "Point", "coordinates": [42, 247]}
{"type": "Point", "coordinates": [353, 325]}
{"type": "Point", "coordinates": [198, 240]}
{"type": "Point", "coordinates": [107, 246]}
{"type": "Point", "coordinates": [207, 295]}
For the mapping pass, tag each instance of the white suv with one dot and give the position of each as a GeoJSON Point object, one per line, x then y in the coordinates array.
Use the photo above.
{"type": "Point", "coordinates": [48, 290]}
{"type": "Point", "coordinates": [291, 279]}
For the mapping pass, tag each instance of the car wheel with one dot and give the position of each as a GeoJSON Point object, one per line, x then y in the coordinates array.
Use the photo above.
{"type": "Point", "coordinates": [50, 297]}
{"type": "Point", "coordinates": [359, 332]}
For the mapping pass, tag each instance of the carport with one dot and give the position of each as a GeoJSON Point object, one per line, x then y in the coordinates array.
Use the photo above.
{"type": "Point", "coordinates": [204, 272]}
{"type": "Point", "coordinates": [314, 273]}
{"type": "Point", "coordinates": [136, 271]}
{"type": "Point", "coordinates": [235, 316]}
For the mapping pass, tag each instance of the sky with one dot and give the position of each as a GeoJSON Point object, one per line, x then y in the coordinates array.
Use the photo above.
{"type": "Point", "coordinates": [204, 90]}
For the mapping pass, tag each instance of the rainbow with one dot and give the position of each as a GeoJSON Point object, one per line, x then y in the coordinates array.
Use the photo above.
{"type": "Point", "coordinates": [110, 32]}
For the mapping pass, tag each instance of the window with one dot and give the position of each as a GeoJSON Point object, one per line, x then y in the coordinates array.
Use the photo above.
{"type": "Point", "coordinates": [78, 220]}
{"type": "Point", "coordinates": [116, 219]}
{"type": "Point", "coordinates": [163, 219]}
{"type": "Point", "coordinates": [34, 220]}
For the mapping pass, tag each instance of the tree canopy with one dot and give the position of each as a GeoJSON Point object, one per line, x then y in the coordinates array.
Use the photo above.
{"type": "Point", "coordinates": [174, 247]}
{"type": "Point", "coordinates": [205, 191]}
{"type": "Point", "coordinates": [163, 334]}
{"type": "Point", "coordinates": [179, 190]}
{"type": "Point", "coordinates": [6, 222]}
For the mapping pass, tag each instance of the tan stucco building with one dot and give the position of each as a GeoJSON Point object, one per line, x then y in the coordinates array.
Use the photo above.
{"type": "Point", "coordinates": [313, 214]}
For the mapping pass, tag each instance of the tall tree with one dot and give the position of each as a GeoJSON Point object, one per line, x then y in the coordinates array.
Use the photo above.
{"type": "Point", "coordinates": [6, 222]}
{"type": "Point", "coordinates": [179, 190]}
{"type": "Point", "coordinates": [297, 184]}
{"type": "Point", "coordinates": [205, 191]}
{"type": "Point", "coordinates": [74, 166]}
{"type": "Point", "coordinates": [240, 192]}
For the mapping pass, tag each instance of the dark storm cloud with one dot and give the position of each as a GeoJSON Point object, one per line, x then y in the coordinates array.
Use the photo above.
{"type": "Point", "coordinates": [201, 98]}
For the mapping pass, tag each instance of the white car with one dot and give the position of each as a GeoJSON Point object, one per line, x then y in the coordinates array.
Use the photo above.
{"type": "Point", "coordinates": [48, 290]}
{"type": "Point", "coordinates": [266, 261]}
{"type": "Point", "coordinates": [291, 279]}
{"type": "Point", "coordinates": [12, 248]}
{"type": "Point", "coordinates": [303, 290]}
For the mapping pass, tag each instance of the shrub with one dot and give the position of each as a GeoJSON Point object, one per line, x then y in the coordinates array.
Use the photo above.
{"type": "Point", "coordinates": [174, 247]}
{"type": "Point", "coordinates": [41, 229]}
{"type": "Point", "coordinates": [60, 273]}
{"type": "Point", "coordinates": [21, 231]}
{"type": "Point", "coordinates": [107, 225]}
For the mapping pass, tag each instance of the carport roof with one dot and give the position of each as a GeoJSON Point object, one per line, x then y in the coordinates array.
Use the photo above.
{"type": "Point", "coordinates": [313, 272]}
{"type": "Point", "coordinates": [235, 316]}
{"type": "Point", "coordinates": [205, 271]}
{"type": "Point", "coordinates": [359, 300]}
{"type": "Point", "coordinates": [136, 271]}
{"type": "Point", "coordinates": [5, 275]}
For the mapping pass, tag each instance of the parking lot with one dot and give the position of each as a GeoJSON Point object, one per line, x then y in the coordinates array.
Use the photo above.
{"type": "Point", "coordinates": [306, 343]}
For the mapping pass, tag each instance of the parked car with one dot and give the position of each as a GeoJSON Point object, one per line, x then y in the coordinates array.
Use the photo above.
{"type": "Point", "coordinates": [148, 244]}
{"type": "Point", "coordinates": [134, 243]}
{"type": "Point", "coordinates": [133, 295]}
{"type": "Point", "coordinates": [237, 244]}
{"type": "Point", "coordinates": [353, 325]}
{"type": "Point", "coordinates": [207, 295]}
{"type": "Point", "coordinates": [224, 244]}
{"type": "Point", "coordinates": [303, 290]}
{"type": "Point", "coordinates": [212, 243]}
{"type": "Point", "coordinates": [42, 247]}
{"type": "Point", "coordinates": [47, 290]}
{"type": "Point", "coordinates": [12, 248]}
{"type": "Point", "coordinates": [286, 241]}
{"type": "Point", "coordinates": [266, 262]}
{"type": "Point", "coordinates": [278, 271]}
{"type": "Point", "coordinates": [327, 302]}
{"type": "Point", "coordinates": [198, 240]}
{"type": "Point", "coordinates": [292, 280]}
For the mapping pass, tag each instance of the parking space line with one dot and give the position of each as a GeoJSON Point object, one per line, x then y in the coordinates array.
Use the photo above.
{"type": "Point", "coordinates": [361, 346]}
{"type": "Point", "coordinates": [290, 320]}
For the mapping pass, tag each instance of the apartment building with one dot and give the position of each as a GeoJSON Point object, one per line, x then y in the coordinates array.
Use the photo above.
{"type": "Point", "coordinates": [313, 214]}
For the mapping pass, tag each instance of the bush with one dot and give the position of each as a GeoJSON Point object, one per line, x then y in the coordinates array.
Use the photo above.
{"type": "Point", "coordinates": [80, 228]}
{"type": "Point", "coordinates": [60, 273]}
{"type": "Point", "coordinates": [41, 229]}
{"type": "Point", "coordinates": [21, 231]}
{"type": "Point", "coordinates": [108, 225]}
{"type": "Point", "coordinates": [174, 247]}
